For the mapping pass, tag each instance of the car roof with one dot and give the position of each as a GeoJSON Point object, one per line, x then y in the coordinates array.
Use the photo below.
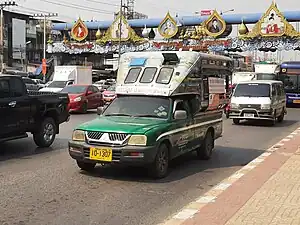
{"type": "Point", "coordinates": [261, 82]}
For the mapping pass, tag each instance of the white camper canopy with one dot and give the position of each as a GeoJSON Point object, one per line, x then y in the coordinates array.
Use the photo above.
{"type": "Point", "coordinates": [163, 73]}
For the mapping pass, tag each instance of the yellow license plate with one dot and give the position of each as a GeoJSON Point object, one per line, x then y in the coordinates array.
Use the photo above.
{"type": "Point", "coordinates": [296, 101]}
{"type": "Point", "coordinates": [101, 154]}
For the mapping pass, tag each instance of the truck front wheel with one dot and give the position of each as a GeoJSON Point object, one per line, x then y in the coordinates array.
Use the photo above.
{"type": "Point", "coordinates": [45, 134]}
{"type": "Point", "coordinates": [88, 167]}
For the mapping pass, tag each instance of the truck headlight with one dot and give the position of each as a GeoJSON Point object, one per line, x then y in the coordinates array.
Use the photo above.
{"type": "Point", "coordinates": [265, 106]}
{"type": "Point", "coordinates": [234, 106]}
{"type": "Point", "coordinates": [138, 140]}
{"type": "Point", "coordinates": [78, 99]}
{"type": "Point", "coordinates": [78, 135]}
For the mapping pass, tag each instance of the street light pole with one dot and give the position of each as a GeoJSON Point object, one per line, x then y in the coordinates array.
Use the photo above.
{"type": "Point", "coordinates": [45, 16]}
{"type": "Point", "coordinates": [2, 6]}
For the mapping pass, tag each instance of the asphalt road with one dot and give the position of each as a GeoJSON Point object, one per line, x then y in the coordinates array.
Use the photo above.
{"type": "Point", "coordinates": [44, 186]}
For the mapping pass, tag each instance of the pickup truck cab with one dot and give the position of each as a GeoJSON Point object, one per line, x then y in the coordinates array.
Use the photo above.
{"type": "Point", "coordinates": [23, 111]}
{"type": "Point", "coordinates": [160, 112]}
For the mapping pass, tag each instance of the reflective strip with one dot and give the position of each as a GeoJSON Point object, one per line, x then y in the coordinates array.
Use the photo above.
{"type": "Point", "coordinates": [187, 128]}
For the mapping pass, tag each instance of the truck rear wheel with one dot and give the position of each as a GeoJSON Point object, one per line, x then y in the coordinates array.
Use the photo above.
{"type": "Point", "coordinates": [205, 150]}
{"type": "Point", "coordinates": [45, 135]}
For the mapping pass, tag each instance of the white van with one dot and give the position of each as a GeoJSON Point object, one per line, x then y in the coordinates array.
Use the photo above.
{"type": "Point", "coordinates": [258, 100]}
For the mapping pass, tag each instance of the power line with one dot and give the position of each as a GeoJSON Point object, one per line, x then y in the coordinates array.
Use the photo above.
{"type": "Point", "coordinates": [32, 11]}
{"type": "Point", "coordinates": [102, 3]}
{"type": "Point", "coordinates": [79, 7]}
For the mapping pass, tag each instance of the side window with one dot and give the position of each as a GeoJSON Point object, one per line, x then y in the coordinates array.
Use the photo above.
{"type": "Point", "coordinates": [165, 75]}
{"type": "Point", "coordinates": [182, 105]}
{"type": "Point", "coordinates": [90, 89]}
{"type": "Point", "coordinates": [16, 87]}
{"type": "Point", "coordinates": [4, 88]}
{"type": "Point", "coordinates": [195, 104]}
{"type": "Point", "coordinates": [95, 89]}
{"type": "Point", "coordinates": [132, 75]}
{"type": "Point", "coordinates": [274, 91]}
{"type": "Point", "coordinates": [148, 75]}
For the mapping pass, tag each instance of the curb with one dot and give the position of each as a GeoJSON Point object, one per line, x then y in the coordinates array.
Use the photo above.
{"type": "Point", "coordinates": [190, 210]}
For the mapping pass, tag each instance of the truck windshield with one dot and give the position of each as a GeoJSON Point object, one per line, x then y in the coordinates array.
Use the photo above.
{"type": "Point", "coordinates": [139, 106]}
{"type": "Point", "coordinates": [252, 90]}
{"type": "Point", "coordinates": [74, 89]}
{"type": "Point", "coordinates": [58, 84]}
{"type": "Point", "coordinates": [266, 76]}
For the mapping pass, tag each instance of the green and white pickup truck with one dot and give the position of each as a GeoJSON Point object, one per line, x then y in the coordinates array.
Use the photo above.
{"type": "Point", "coordinates": [160, 113]}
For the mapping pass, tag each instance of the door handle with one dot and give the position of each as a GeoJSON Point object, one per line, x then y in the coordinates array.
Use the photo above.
{"type": "Point", "coordinates": [12, 104]}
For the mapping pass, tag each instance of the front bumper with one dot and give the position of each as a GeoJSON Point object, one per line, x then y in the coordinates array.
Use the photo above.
{"type": "Point", "coordinates": [131, 155]}
{"type": "Point", "coordinates": [251, 114]}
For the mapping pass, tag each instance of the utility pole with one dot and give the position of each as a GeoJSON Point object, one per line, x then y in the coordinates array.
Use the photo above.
{"type": "Point", "coordinates": [45, 17]}
{"type": "Point", "coordinates": [120, 29]}
{"type": "Point", "coordinates": [2, 6]}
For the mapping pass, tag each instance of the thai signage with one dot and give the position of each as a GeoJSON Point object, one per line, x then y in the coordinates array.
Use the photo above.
{"type": "Point", "coordinates": [90, 47]}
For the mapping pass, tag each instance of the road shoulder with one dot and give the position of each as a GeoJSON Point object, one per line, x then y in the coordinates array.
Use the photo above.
{"type": "Point", "coordinates": [223, 203]}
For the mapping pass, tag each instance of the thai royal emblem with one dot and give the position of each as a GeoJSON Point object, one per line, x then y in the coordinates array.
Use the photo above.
{"type": "Point", "coordinates": [168, 27]}
{"type": "Point", "coordinates": [79, 31]}
{"type": "Point", "coordinates": [215, 26]}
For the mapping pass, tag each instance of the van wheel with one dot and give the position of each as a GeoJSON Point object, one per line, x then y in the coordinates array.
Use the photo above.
{"type": "Point", "coordinates": [273, 121]}
{"type": "Point", "coordinates": [281, 117]}
{"type": "Point", "coordinates": [45, 135]}
{"type": "Point", "coordinates": [86, 166]}
{"type": "Point", "coordinates": [160, 166]}
{"type": "Point", "coordinates": [236, 121]}
{"type": "Point", "coordinates": [206, 148]}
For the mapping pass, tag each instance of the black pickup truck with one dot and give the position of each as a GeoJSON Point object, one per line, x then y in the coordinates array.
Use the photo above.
{"type": "Point", "coordinates": [23, 112]}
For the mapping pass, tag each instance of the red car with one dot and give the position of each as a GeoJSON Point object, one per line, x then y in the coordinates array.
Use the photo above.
{"type": "Point", "coordinates": [109, 94]}
{"type": "Point", "coordinates": [83, 97]}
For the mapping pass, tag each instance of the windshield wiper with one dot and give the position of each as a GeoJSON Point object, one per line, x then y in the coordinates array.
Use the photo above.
{"type": "Point", "coordinates": [148, 115]}
{"type": "Point", "coordinates": [117, 114]}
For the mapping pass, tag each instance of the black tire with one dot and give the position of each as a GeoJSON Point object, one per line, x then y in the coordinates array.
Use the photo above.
{"type": "Point", "coordinates": [227, 114]}
{"type": "Point", "coordinates": [236, 121]}
{"type": "Point", "coordinates": [84, 108]}
{"type": "Point", "coordinates": [160, 166]}
{"type": "Point", "coordinates": [274, 119]}
{"type": "Point", "coordinates": [86, 166]}
{"type": "Point", "coordinates": [207, 147]}
{"type": "Point", "coordinates": [45, 135]}
{"type": "Point", "coordinates": [281, 117]}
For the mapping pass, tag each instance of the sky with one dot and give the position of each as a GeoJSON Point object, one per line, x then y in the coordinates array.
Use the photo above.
{"type": "Point", "coordinates": [71, 10]}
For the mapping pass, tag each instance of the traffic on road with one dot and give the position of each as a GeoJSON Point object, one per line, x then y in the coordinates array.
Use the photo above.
{"type": "Point", "coordinates": [146, 144]}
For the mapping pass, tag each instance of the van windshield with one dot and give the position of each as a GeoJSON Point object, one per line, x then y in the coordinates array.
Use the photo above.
{"type": "Point", "coordinates": [152, 107]}
{"type": "Point", "coordinates": [252, 90]}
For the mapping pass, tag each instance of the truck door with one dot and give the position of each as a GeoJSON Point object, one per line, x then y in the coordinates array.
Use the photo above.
{"type": "Point", "coordinates": [184, 138]}
{"type": "Point", "coordinates": [20, 104]}
{"type": "Point", "coordinates": [7, 120]}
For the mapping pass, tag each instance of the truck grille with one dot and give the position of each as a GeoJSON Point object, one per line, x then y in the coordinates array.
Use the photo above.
{"type": "Point", "coordinates": [117, 137]}
{"type": "Point", "coordinates": [116, 154]}
{"type": "Point", "coordinates": [250, 106]}
{"type": "Point", "coordinates": [100, 137]}
{"type": "Point", "coordinates": [95, 135]}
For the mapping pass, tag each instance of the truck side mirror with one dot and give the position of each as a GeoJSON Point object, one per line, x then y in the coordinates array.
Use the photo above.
{"type": "Point", "coordinates": [100, 110]}
{"type": "Point", "coordinates": [180, 115]}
